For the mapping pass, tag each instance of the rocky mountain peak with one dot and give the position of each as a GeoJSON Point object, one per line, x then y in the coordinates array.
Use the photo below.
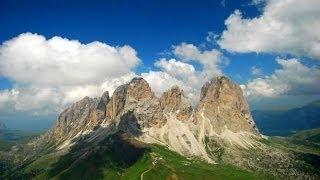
{"type": "Point", "coordinates": [222, 101]}
{"type": "Point", "coordinates": [136, 90]}
{"type": "Point", "coordinates": [99, 113]}
{"type": "Point", "coordinates": [171, 99]}
{"type": "Point", "coordinates": [212, 88]}
{"type": "Point", "coordinates": [139, 89]}
{"type": "Point", "coordinates": [74, 119]}
{"type": "Point", "coordinates": [174, 101]}
{"type": "Point", "coordinates": [105, 97]}
{"type": "Point", "coordinates": [222, 114]}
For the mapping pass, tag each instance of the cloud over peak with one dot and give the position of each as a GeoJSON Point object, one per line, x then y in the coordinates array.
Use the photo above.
{"type": "Point", "coordinates": [48, 74]}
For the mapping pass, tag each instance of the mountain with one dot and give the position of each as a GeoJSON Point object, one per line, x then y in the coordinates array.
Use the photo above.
{"type": "Point", "coordinates": [135, 134]}
{"type": "Point", "coordinates": [284, 123]}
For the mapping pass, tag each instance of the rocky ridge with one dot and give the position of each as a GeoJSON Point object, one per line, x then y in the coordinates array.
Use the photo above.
{"type": "Point", "coordinates": [219, 129]}
{"type": "Point", "coordinates": [222, 114]}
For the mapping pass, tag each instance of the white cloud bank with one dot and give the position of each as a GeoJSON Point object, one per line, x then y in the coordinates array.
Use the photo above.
{"type": "Point", "coordinates": [31, 58]}
{"type": "Point", "coordinates": [48, 74]}
{"type": "Point", "coordinates": [285, 27]}
{"type": "Point", "coordinates": [293, 78]}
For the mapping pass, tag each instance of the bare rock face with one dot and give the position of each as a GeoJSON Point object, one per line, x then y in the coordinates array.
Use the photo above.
{"type": "Point", "coordinates": [136, 98]}
{"type": "Point", "coordinates": [99, 113]}
{"type": "Point", "coordinates": [220, 128]}
{"type": "Point", "coordinates": [117, 102]}
{"type": "Point", "coordinates": [139, 90]}
{"type": "Point", "coordinates": [174, 101]}
{"type": "Point", "coordinates": [223, 103]}
{"type": "Point", "coordinates": [74, 119]}
{"type": "Point", "coordinates": [222, 114]}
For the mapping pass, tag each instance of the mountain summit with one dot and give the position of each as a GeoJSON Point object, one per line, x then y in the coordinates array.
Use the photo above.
{"type": "Point", "coordinates": [219, 129]}
{"type": "Point", "coordinates": [169, 120]}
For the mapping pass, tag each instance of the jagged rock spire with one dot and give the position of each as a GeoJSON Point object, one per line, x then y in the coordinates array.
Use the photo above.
{"type": "Point", "coordinates": [136, 90]}
{"type": "Point", "coordinates": [222, 102]}
{"type": "Point", "coordinates": [174, 101]}
{"type": "Point", "coordinates": [170, 119]}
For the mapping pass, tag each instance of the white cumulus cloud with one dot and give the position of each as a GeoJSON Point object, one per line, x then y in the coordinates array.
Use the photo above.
{"type": "Point", "coordinates": [293, 78]}
{"type": "Point", "coordinates": [284, 27]}
{"type": "Point", "coordinates": [49, 74]}
{"type": "Point", "coordinates": [31, 58]}
{"type": "Point", "coordinates": [209, 59]}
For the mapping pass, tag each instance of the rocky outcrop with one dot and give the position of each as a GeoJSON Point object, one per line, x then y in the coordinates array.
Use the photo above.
{"type": "Point", "coordinates": [174, 101]}
{"type": "Point", "coordinates": [137, 98]}
{"type": "Point", "coordinates": [219, 129]}
{"type": "Point", "coordinates": [98, 114]}
{"type": "Point", "coordinates": [169, 120]}
{"type": "Point", "coordinates": [223, 104]}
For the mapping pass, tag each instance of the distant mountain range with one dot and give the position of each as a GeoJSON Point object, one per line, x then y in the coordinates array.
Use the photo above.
{"type": "Point", "coordinates": [287, 122]}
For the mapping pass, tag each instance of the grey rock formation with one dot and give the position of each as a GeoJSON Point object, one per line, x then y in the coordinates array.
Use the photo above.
{"type": "Point", "coordinates": [174, 101]}
{"type": "Point", "coordinates": [223, 103]}
{"type": "Point", "coordinates": [169, 120]}
{"type": "Point", "coordinates": [219, 129]}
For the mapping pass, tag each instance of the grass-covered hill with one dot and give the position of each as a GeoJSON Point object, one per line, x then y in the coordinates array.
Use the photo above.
{"type": "Point", "coordinates": [117, 158]}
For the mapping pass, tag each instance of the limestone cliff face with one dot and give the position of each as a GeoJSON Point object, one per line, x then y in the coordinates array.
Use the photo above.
{"type": "Point", "coordinates": [223, 104]}
{"type": "Point", "coordinates": [174, 101]}
{"type": "Point", "coordinates": [137, 99]}
{"type": "Point", "coordinates": [80, 117]}
{"type": "Point", "coordinates": [98, 114]}
{"type": "Point", "coordinates": [218, 129]}
{"type": "Point", "coordinates": [170, 120]}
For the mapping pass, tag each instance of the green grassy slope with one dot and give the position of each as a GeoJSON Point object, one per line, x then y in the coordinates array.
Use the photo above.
{"type": "Point", "coordinates": [118, 157]}
{"type": "Point", "coordinates": [306, 141]}
{"type": "Point", "coordinates": [156, 163]}
{"type": "Point", "coordinates": [302, 148]}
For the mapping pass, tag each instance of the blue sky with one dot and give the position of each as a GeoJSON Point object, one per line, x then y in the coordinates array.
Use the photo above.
{"type": "Point", "coordinates": [155, 28]}
{"type": "Point", "coordinates": [151, 27]}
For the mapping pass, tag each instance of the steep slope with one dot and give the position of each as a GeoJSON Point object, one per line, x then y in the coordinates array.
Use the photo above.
{"type": "Point", "coordinates": [219, 130]}
{"type": "Point", "coordinates": [224, 113]}
{"type": "Point", "coordinates": [156, 162]}
{"type": "Point", "coordinates": [284, 123]}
